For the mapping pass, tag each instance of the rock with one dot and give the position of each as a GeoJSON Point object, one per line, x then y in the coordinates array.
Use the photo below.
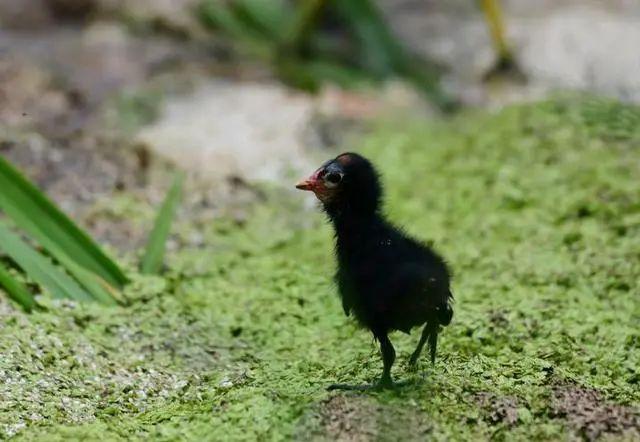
{"type": "Point", "coordinates": [573, 49]}
{"type": "Point", "coordinates": [223, 129]}
{"type": "Point", "coordinates": [558, 44]}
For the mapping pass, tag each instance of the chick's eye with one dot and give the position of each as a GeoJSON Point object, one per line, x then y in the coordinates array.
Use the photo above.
{"type": "Point", "coordinates": [333, 178]}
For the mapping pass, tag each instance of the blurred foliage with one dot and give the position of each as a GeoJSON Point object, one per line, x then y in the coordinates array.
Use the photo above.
{"type": "Point", "coordinates": [40, 268]}
{"type": "Point", "coordinates": [58, 256]}
{"type": "Point", "coordinates": [33, 213]}
{"type": "Point", "coordinates": [313, 42]}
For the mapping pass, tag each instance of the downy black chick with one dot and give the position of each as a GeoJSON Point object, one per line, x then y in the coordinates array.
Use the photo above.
{"type": "Point", "coordinates": [388, 280]}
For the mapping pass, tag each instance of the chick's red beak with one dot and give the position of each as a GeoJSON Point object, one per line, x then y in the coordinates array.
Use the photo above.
{"type": "Point", "coordinates": [310, 183]}
{"type": "Point", "coordinates": [305, 185]}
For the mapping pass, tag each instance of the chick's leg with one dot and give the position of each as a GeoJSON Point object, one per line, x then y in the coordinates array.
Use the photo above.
{"type": "Point", "coordinates": [423, 339]}
{"type": "Point", "coordinates": [388, 358]}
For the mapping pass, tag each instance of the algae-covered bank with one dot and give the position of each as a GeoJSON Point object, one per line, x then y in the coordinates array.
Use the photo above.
{"type": "Point", "coordinates": [537, 208]}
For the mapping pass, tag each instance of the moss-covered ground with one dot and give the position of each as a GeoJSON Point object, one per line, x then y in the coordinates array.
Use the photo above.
{"type": "Point", "coordinates": [537, 208]}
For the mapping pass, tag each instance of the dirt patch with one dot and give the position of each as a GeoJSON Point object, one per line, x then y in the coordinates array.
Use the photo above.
{"type": "Point", "coordinates": [355, 418]}
{"type": "Point", "coordinates": [345, 418]}
{"type": "Point", "coordinates": [590, 415]}
{"type": "Point", "coordinates": [499, 409]}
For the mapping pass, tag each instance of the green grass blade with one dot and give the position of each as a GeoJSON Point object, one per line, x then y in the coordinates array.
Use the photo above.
{"type": "Point", "coordinates": [245, 37]}
{"type": "Point", "coordinates": [39, 267]}
{"type": "Point", "coordinates": [271, 18]}
{"type": "Point", "coordinates": [154, 254]}
{"type": "Point", "coordinates": [221, 17]}
{"type": "Point", "coordinates": [29, 208]}
{"type": "Point", "coordinates": [16, 290]}
{"type": "Point", "coordinates": [380, 51]}
{"type": "Point", "coordinates": [383, 54]}
{"type": "Point", "coordinates": [98, 288]}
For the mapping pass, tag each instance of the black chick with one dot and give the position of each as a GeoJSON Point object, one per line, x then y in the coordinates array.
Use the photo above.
{"type": "Point", "coordinates": [388, 280]}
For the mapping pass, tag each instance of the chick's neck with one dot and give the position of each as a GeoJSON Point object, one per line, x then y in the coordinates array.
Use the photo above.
{"type": "Point", "coordinates": [351, 223]}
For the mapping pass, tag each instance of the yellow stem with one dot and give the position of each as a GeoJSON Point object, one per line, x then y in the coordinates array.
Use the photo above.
{"type": "Point", "coordinates": [493, 13]}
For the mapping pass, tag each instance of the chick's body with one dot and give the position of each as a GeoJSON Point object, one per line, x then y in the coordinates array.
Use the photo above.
{"type": "Point", "coordinates": [388, 280]}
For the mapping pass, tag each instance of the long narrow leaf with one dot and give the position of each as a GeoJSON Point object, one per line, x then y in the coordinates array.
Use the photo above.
{"type": "Point", "coordinates": [16, 290]}
{"type": "Point", "coordinates": [381, 52]}
{"type": "Point", "coordinates": [98, 288]}
{"type": "Point", "coordinates": [152, 261]}
{"type": "Point", "coordinates": [220, 16]}
{"type": "Point", "coordinates": [270, 18]}
{"type": "Point", "coordinates": [33, 211]}
{"type": "Point", "coordinates": [39, 267]}
{"type": "Point", "coordinates": [306, 18]}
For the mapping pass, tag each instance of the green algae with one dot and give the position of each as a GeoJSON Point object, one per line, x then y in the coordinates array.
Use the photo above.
{"type": "Point", "coordinates": [537, 208]}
